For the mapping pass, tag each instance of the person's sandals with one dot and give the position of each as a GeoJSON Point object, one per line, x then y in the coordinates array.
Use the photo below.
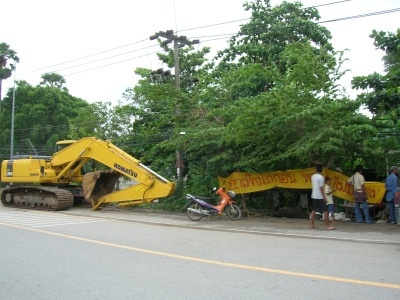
{"type": "Point", "coordinates": [330, 228]}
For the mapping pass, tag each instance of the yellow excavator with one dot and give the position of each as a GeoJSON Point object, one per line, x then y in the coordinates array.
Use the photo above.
{"type": "Point", "coordinates": [55, 182]}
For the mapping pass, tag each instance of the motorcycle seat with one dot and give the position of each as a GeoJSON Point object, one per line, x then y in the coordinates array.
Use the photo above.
{"type": "Point", "coordinates": [205, 199]}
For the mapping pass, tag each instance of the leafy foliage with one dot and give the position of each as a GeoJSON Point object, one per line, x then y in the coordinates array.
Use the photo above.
{"type": "Point", "coordinates": [42, 115]}
{"type": "Point", "coordinates": [6, 67]}
{"type": "Point", "coordinates": [383, 93]}
{"type": "Point", "coordinates": [271, 29]}
{"type": "Point", "coordinates": [53, 80]}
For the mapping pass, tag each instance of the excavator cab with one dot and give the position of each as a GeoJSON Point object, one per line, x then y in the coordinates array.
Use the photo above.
{"type": "Point", "coordinates": [60, 145]}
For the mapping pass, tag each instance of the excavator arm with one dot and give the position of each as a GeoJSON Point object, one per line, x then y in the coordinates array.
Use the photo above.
{"type": "Point", "coordinates": [99, 187]}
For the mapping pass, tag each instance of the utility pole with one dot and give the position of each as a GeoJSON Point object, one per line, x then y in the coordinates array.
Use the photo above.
{"type": "Point", "coordinates": [12, 119]}
{"type": "Point", "coordinates": [179, 42]}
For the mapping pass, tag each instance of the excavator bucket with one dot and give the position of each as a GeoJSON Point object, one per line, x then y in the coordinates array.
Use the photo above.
{"type": "Point", "coordinates": [97, 184]}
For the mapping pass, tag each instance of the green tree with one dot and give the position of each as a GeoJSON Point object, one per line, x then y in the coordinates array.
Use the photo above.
{"type": "Point", "coordinates": [6, 67]}
{"type": "Point", "coordinates": [382, 91]}
{"type": "Point", "coordinates": [104, 121]}
{"type": "Point", "coordinates": [381, 95]}
{"type": "Point", "coordinates": [301, 120]}
{"type": "Point", "coordinates": [157, 109]}
{"type": "Point", "coordinates": [263, 39]}
{"type": "Point", "coordinates": [53, 80]}
{"type": "Point", "coordinates": [278, 70]}
{"type": "Point", "coordinates": [42, 114]}
{"type": "Point", "coordinates": [91, 120]}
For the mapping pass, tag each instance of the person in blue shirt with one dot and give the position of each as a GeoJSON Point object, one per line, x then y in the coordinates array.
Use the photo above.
{"type": "Point", "coordinates": [391, 188]}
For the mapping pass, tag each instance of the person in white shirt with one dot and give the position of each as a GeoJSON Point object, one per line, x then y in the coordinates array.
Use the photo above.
{"type": "Point", "coordinates": [329, 197]}
{"type": "Point", "coordinates": [318, 198]}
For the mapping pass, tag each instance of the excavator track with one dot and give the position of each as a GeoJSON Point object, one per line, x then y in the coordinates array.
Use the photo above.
{"type": "Point", "coordinates": [37, 197]}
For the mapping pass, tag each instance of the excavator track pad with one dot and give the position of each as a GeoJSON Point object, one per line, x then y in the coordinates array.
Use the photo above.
{"type": "Point", "coordinates": [37, 197]}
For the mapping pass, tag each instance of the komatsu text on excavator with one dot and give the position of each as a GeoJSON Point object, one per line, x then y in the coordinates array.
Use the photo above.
{"type": "Point", "coordinates": [55, 182]}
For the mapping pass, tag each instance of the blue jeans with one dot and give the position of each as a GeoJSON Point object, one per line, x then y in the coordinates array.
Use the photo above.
{"type": "Point", "coordinates": [357, 211]}
{"type": "Point", "coordinates": [392, 215]}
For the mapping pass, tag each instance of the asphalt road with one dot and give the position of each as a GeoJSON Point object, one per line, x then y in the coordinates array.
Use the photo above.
{"type": "Point", "coordinates": [122, 254]}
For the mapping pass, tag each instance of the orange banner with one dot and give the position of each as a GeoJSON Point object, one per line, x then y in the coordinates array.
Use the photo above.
{"type": "Point", "coordinates": [242, 183]}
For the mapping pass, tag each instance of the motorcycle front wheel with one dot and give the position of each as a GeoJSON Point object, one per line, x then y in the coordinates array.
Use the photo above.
{"type": "Point", "coordinates": [193, 215]}
{"type": "Point", "coordinates": [234, 212]}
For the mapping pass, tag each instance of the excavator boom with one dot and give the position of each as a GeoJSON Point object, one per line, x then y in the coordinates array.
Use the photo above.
{"type": "Point", "coordinates": [64, 168]}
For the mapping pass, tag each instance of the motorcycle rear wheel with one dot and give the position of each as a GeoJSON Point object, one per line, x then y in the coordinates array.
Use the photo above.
{"type": "Point", "coordinates": [192, 215]}
{"type": "Point", "coordinates": [233, 211]}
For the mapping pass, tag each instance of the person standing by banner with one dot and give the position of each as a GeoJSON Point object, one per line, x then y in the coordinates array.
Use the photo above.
{"type": "Point", "coordinates": [360, 195]}
{"type": "Point", "coordinates": [391, 188]}
{"type": "Point", "coordinates": [318, 198]}
{"type": "Point", "coordinates": [329, 197]}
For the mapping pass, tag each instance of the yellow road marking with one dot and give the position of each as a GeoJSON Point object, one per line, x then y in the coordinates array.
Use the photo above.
{"type": "Point", "coordinates": [213, 262]}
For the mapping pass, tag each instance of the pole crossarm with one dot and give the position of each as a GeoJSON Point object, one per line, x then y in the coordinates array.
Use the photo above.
{"type": "Point", "coordinates": [170, 37]}
{"type": "Point", "coordinates": [179, 42]}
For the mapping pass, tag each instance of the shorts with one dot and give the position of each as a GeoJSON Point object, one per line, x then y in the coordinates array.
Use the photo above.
{"type": "Point", "coordinates": [331, 208]}
{"type": "Point", "coordinates": [319, 205]}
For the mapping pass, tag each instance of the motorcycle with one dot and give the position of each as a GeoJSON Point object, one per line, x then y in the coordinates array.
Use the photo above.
{"type": "Point", "coordinates": [199, 207]}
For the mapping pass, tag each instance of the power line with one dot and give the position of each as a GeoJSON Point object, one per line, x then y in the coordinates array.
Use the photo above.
{"type": "Point", "coordinates": [362, 15]}
{"type": "Point", "coordinates": [202, 27]}
{"type": "Point", "coordinates": [224, 36]}
{"type": "Point", "coordinates": [247, 19]}
{"type": "Point", "coordinates": [331, 3]}
{"type": "Point", "coordinates": [103, 66]}
{"type": "Point", "coordinates": [81, 58]}
{"type": "Point", "coordinates": [111, 64]}
{"type": "Point", "coordinates": [204, 38]}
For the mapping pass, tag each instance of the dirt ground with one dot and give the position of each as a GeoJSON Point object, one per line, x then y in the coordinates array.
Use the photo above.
{"type": "Point", "coordinates": [294, 223]}
{"type": "Point", "coordinates": [279, 223]}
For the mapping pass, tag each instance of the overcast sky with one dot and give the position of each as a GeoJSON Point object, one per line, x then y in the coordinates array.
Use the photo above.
{"type": "Point", "coordinates": [97, 45]}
